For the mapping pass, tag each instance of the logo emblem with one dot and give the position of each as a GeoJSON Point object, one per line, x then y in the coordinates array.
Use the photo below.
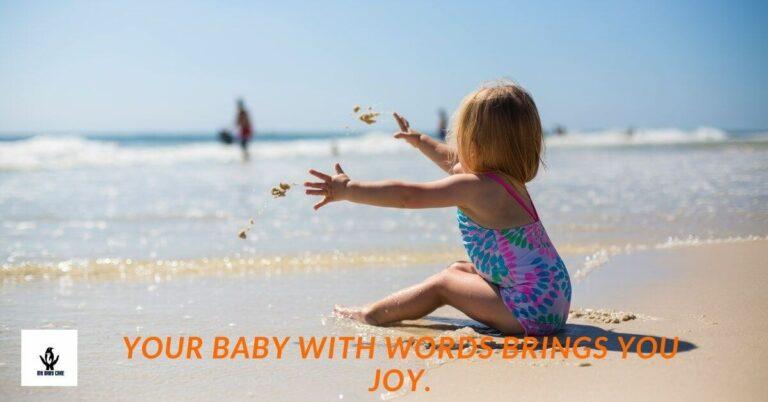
{"type": "Point", "coordinates": [48, 357]}
{"type": "Point", "coordinates": [49, 361]}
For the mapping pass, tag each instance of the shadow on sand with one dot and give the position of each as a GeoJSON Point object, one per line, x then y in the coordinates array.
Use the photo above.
{"type": "Point", "coordinates": [612, 342]}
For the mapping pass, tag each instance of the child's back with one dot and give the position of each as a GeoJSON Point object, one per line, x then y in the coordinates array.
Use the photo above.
{"type": "Point", "coordinates": [516, 281]}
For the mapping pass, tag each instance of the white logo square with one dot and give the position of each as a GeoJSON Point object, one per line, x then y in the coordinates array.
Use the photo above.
{"type": "Point", "coordinates": [49, 357]}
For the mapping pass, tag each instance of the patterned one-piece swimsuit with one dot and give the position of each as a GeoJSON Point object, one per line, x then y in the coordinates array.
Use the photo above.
{"type": "Point", "coordinates": [532, 278]}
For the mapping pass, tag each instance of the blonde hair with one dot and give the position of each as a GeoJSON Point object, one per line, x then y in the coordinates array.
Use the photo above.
{"type": "Point", "coordinates": [497, 129]}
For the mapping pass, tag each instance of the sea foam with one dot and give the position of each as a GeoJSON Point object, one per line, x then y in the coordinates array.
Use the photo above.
{"type": "Point", "coordinates": [51, 152]}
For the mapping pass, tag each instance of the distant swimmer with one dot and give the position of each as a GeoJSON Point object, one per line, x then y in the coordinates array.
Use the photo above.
{"type": "Point", "coordinates": [560, 130]}
{"type": "Point", "coordinates": [442, 124]}
{"type": "Point", "coordinates": [225, 136]}
{"type": "Point", "coordinates": [630, 132]}
{"type": "Point", "coordinates": [245, 127]}
{"type": "Point", "coordinates": [334, 148]}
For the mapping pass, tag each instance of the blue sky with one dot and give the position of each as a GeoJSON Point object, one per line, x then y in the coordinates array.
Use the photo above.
{"type": "Point", "coordinates": [178, 66]}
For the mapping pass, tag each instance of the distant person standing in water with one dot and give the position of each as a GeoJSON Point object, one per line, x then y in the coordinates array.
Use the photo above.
{"type": "Point", "coordinates": [442, 124]}
{"type": "Point", "coordinates": [560, 131]}
{"type": "Point", "coordinates": [244, 126]}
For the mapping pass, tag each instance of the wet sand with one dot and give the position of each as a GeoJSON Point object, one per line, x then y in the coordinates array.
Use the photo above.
{"type": "Point", "coordinates": [709, 296]}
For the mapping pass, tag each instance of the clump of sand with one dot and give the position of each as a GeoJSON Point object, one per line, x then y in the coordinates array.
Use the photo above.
{"type": "Point", "coordinates": [280, 190]}
{"type": "Point", "coordinates": [368, 117]}
{"type": "Point", "coordinates": [243, 234]}
{"type": "Point", "coordinates": [602, 316]}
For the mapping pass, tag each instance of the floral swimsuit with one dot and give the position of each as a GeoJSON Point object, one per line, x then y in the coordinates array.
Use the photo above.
{"type": "Point", "coordinates": [523, 263]}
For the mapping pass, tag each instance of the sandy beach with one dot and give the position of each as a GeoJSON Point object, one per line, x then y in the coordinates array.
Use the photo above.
{"type": "Point", "coordinates": [710, 296]}
{"type": "Point", "coordinates": [707, 295]}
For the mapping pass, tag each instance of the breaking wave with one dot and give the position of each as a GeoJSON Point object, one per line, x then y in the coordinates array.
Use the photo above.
{"type": "Point", "coordinates": [669, 136]}
{"type": "Point", "coordinates": [51, 152]}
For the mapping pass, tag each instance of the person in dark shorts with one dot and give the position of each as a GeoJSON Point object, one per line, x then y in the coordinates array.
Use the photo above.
{"type": "Point", "coordinates": [442, 124]}
{"type": "Point", "coordinates": [245, 127]}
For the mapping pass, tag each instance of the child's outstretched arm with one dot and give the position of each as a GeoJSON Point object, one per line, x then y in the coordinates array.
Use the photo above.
{"type": "Point", "coordinates": [440, 153]}
{"type": "Point", "coordinates": [457, 190]}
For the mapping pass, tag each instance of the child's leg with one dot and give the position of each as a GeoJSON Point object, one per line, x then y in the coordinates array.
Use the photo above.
{"type": "Point", "coordinates": [458, 285]}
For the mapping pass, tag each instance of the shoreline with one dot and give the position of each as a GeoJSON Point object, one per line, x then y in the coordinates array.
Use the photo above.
{"type": "Point", "coordinates": [583, 260]}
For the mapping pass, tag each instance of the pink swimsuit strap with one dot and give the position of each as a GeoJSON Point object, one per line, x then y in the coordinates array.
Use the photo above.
{"type": "Point", "coordinates": [511, 190]}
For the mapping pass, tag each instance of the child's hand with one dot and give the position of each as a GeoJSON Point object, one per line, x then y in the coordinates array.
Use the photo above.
{"type": "Point", "coordinates": [405, 133]}
{"type": "Point", "coordinates": [331, 188]}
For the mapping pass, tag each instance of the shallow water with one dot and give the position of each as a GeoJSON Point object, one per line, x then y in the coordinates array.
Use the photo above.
{"type": "Point", "coordinates": [590, 198]}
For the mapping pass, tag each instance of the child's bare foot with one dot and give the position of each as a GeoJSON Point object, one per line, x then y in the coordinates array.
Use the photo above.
{"type": "Point", "coordinates": [355, 313]}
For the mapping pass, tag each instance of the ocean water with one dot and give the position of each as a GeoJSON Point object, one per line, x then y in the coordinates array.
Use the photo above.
{"type": "Point", "coordinates": [137, 235]}
{"type": "Point", "coordinates": [119, 203]}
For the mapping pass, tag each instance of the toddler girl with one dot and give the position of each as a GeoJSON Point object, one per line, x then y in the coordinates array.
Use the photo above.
{"type": "Point", "coordinates": [516, 282]}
